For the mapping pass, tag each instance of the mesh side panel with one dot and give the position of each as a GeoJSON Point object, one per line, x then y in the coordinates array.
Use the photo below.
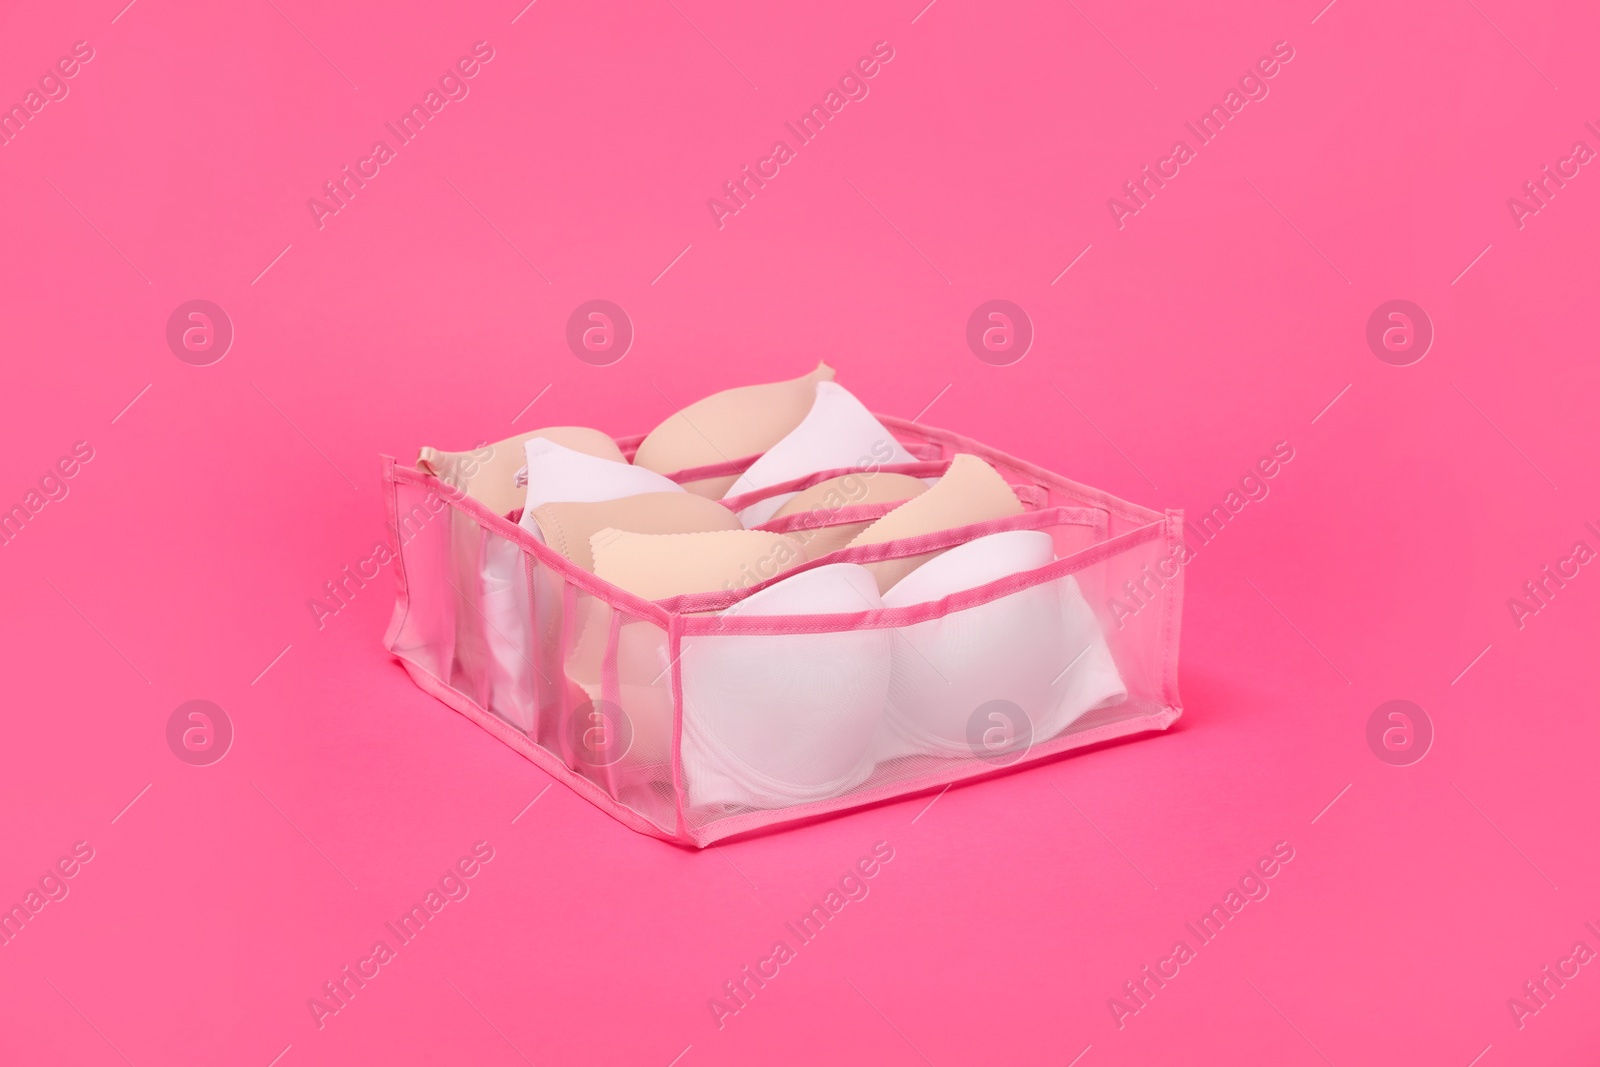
{"type": "Point", "coordinates": [423, 631]}
{"type": "Point", "coordinates": [618, 726]}
{"type": "Point", "coordinates": [563, 669]}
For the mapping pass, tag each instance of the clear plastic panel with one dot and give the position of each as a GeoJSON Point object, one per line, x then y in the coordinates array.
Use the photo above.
{"type": "Point", "coordinates": [423, 630]}
{"type": "Point", "coordinates": [512, 638]}
{"type": "Point", "coordinates": [776, 721]}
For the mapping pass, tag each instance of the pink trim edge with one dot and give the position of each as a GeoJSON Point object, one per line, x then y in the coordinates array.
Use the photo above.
{"type": "Point", "coordinates": [960, 770]}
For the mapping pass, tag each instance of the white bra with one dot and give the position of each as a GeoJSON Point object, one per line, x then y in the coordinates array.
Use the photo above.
{"type": "Point", "coordinates": [838, 432]}
{"type": "Point", "coordinates": [557, 474]}
{"type": "Point", "coordinates": [1039, 648]}
{"type": "Point", "coordinates": [773, 720]}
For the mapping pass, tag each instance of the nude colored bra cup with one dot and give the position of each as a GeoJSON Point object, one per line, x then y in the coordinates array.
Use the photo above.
{"type": "Point", "coordinates": [568, 526]}
{"type": "Point", "coordinates": [837, 432]}
{"type": "Point", "coordinates": [773, 720]}
{"type": "Point", "coordinates": [656, 566]}
{"type": "Point", "coordinates": [970, 491]}
{"type": "Point", "coordinates": [1039, 648]}
{"type": "Point", "coordinates": [488, 474]}
{"type": "Point", "coordinates": [731, 424]}
{"type": "Point", "coordinates": [848, 490]}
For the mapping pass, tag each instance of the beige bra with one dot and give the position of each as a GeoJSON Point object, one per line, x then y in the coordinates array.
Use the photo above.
{"type": "Point", "coordinates": [568, 527]}
{"type": "Point", "coordinates": [970, 491]}
{"type": "Point", "coordinates": [848, 490]}
{"type": "Point", "coordinates": [729, 425]}
{"type": "Point", "coordinates": [657, 565]}
{"type": "Point", "coordinates": [654, 566]}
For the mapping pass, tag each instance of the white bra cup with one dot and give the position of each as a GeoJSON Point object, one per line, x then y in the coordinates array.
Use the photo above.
{"type": "Point", "coordinates": [773, 720]}
{"type": "Point", "coordinates": [977, 562]}
{"type": "Point", "coordinates": [838, 432]}
{"type": "Point", "coordinates": [1013, 648]}
{"type": "Point", "coordinates": [1093, 681]}
{"type": "Point", "coordinates": [557, 474]}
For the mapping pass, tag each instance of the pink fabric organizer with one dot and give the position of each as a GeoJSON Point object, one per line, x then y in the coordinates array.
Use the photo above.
{"type": "Point", "coordinates": [692, 722]}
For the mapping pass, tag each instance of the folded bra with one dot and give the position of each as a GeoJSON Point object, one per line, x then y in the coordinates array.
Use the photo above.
{"type": "Point", "coordinates": [970, 491]}
{"type": "Point", "coordinates": [838, 432]}
{"type": "Point", "coordinates": [729, 425]}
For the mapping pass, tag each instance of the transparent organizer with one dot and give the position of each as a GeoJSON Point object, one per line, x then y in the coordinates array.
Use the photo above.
{"type": "Point", "coordinates": [691, 722]}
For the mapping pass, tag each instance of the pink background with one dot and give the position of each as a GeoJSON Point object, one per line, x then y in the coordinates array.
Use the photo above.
{"type": "Point", "coordinates": [1224, 317]}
